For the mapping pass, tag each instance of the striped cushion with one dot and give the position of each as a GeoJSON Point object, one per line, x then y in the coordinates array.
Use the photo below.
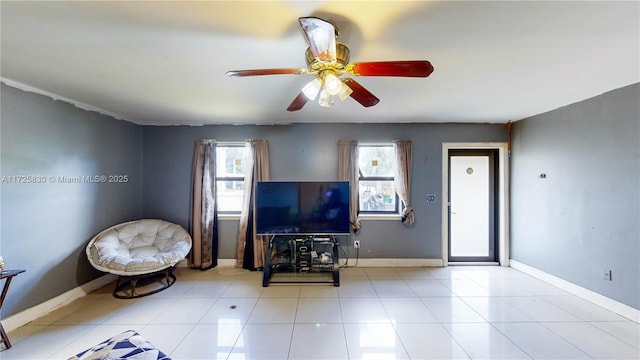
{"type": "Point", "coordinates": [128, 345]}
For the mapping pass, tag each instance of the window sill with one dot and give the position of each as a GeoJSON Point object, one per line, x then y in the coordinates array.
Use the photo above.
{"type": "Point", "coordinates": [228, 216]}
{"type": "Point", "coordinates": [367, 217]}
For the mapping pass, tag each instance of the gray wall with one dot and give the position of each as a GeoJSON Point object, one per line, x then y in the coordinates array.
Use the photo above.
{"type": "Point", "coordinates": [584, 216]}
{"type": "Point", "coordinates": [579, 220]}
{"type": "Point", "coordinates": [46, 226]}
{"type": "Point", "coordinates": [309, 152]}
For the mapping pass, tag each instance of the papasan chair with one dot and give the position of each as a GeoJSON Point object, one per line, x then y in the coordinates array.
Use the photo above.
{"type": "Point", "coordinates": [146, 249]}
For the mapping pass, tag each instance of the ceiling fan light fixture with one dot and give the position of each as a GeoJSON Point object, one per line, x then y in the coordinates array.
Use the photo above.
{"type": "Point", "coordinates": [325, 99]}
{"type": "Point", "coordinates": [345, 91]}
{"type": "Point", "coordinates": [327, 60]}
{"type": "Point", "coordinates": [332, 84]}
{"type": "Point", "coordinates": [312, 88]}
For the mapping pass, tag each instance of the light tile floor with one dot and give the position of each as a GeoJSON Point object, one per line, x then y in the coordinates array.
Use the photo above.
{"type": "Point", "coordinates": [456, 312]}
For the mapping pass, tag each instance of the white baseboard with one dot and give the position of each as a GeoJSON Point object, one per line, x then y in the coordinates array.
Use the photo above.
{"type": "Point", "coordinates": [365, 262]}
{"type": "Point", "coordinates": [28, 315]}
{"type": "Point", "coordinates": [591, 296]}
{"type": "Point", "coordinates": [396, 262]}
{"type": "Point", "coordinates": [226, 263]}
{"type": "Point", "coordinates": [221, 263]}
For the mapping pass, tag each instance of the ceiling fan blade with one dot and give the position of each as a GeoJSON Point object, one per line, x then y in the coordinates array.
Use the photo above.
{"type": "Point", "coordinates": [360, 94]}
{"type": "Point", "coordinates": [321, 37]}
{"type": "Point", "coordinates": [298, 102]}
{"type": "Point", "coordinates": [411, 68]}
{"type": "Point", "coordinates": [257, 72]}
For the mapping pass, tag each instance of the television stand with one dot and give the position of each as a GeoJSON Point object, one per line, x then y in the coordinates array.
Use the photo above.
{"type": "Point", "coordinates": [302, 259]}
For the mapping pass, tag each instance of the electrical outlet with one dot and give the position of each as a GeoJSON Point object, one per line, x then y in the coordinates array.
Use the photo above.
{"type": "Point", "coordinates": [356, 244]}
{"type": "Point", "coordinates": [606, 275]}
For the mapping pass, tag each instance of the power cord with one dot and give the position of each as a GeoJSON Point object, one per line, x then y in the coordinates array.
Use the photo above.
{"type": "Point", "coordinates": [346, 256]}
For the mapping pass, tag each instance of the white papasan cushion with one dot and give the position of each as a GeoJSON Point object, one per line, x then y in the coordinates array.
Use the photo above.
{"type": "Point", "coordinates": [139, 247]}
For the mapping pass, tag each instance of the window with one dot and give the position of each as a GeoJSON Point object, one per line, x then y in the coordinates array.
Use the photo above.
{"type": "Point", "coordinates": [377, 165]}
{"type": "Point", "coordinates": [230, 170]}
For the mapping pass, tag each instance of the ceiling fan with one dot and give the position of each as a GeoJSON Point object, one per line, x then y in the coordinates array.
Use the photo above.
{"type": "Point", "coordinates": [328, 59]}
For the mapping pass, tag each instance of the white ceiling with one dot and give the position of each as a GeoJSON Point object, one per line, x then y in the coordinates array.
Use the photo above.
{"type": "Point", "coordinates": [164, 62]}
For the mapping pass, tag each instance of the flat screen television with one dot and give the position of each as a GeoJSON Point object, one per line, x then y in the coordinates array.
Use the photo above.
{"type": "Point", "coordinates": [302, 207]}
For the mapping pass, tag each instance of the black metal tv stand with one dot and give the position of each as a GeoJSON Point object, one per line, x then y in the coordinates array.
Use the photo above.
{"type": "Point", "coordinates": [302, 259]}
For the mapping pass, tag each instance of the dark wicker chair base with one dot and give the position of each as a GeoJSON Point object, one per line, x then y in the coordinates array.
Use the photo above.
{"type": "Point", "coordinates": [127, 286]}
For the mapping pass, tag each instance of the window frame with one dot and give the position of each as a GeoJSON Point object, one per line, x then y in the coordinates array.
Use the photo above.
{"type": "Point", "coordinates": [378, 214]}
{"type": "Point", "coordinates": [229, 213]}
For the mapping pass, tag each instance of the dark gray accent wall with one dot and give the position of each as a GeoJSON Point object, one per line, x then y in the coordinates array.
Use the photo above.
{"type": "Point", "coordinates": [584, 216]}
{"type": "Point", "coordinates": [46, 225]}
{"type": "Point", "coordinates": [308, 152]}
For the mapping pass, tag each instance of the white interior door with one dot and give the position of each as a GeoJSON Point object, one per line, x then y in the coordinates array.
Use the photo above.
{"type": "Point", "coordinates": [471, 207]}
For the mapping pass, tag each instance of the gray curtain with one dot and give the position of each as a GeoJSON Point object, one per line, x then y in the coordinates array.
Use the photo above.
{"type": "Point", "coordinates": [403, 177]}
{"type": "Point", "coordinates": [203, 207]}
{"type": "Point", "coordinates": [251, 248]}
{"type": "Point", "coordinates": [348, 170]}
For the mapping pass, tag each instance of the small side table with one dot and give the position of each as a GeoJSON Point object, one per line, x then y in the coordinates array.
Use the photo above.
{"type": "Point", "coordinates": [8, 275]}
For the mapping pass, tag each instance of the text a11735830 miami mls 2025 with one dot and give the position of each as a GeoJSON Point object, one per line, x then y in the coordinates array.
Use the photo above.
{"type": "Point", "coordinates": [64, 179]}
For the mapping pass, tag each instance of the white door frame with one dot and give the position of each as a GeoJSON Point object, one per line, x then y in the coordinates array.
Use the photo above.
{"type": "Point", "coordinates": [502, 194]}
